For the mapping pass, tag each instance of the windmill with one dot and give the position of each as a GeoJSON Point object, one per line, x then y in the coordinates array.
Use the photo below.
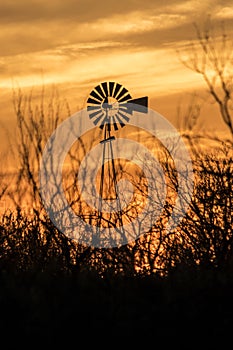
{"type": "Point", "coordinates": [110, 106]}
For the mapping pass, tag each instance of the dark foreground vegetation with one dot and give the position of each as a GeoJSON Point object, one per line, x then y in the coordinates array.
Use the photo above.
{"type": "Point", "coordinates": [51, 286]}
{"type": "Point", "coordinates": [51, 304]}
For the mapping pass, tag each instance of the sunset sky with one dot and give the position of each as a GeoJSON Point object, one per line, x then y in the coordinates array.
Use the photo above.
{"type": "Point", "coordinates": [76, 44]}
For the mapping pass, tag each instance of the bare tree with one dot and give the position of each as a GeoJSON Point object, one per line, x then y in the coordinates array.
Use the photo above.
{"type": "Point", "coordinates": [211, 56]}
{"type": "Point", "coordinates": [37, 116]}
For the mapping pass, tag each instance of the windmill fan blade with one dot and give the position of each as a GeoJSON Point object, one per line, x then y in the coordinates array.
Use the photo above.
{"type": "Point", "coordinates": [106, 100]}
{"type": "Point", "coordinates": [96, 121]}
{"type": "Point", "coordinates": [105, 88]}
{"type": "Point", "coordinates": [104, 121]}
{"type": "Point", "coordinates": [125, 98]}
{"type": "Point", "coordinates": [93, 108]}
{"type": "Point", "coordinates": [122, 93]}
{"type": "Point", "coordinates": [120, 121]}
{"type": "Point", "coordinates": [94, 114]}
{"type": "Point", "coordinates": [96, 96]}
{"type": "Point", "coordinates": [111, 87]}
{"type": "Point", "coordinates": [117, 89]}
{"type": "Point", "coordinates": [91, 100]}
{"type": "Point", "coordinates": [99, 90]}
{"type": "Point", "coordinates": [123, 116]}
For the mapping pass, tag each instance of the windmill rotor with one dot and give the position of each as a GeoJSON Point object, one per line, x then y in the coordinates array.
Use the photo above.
{"type": "Point", "coordinates": [111, 103]}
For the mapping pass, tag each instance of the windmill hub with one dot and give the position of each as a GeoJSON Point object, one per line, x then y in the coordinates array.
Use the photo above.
{"type": "Point", "coordinates": [111, 107]}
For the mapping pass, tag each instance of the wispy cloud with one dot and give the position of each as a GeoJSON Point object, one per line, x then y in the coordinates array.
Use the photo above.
{"type": "Point", "coordinates": [78, 41]}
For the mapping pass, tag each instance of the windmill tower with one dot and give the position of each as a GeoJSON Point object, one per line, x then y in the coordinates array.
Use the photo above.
{"type": "Point", "coordinates": [109, 106]}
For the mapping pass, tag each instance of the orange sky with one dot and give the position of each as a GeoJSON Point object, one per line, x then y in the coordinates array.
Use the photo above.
{"type": "Point", "coordinates": [76, 44]}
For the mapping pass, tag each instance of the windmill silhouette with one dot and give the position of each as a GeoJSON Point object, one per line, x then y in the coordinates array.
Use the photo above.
{"type": "Point", "coordinates": [110, 106]}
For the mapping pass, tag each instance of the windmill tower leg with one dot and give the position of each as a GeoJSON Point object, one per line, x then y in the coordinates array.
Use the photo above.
{"type": "Point", "coordinates": [108, 191]}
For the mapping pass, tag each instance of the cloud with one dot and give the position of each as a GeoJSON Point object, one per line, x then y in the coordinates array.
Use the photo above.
{"type": "Point", "coordinates": [38, 29]}
{"type": "Point", "coordinates": [35, 25]}
{"type": "Point", "coordinates": [225, 13]}
{"type": "Point", "coordinates": [80, 11]}
{"type": "Point", "coordinates": [143, 71]}
{"type": "Point", "coordinates": [80, 41]}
